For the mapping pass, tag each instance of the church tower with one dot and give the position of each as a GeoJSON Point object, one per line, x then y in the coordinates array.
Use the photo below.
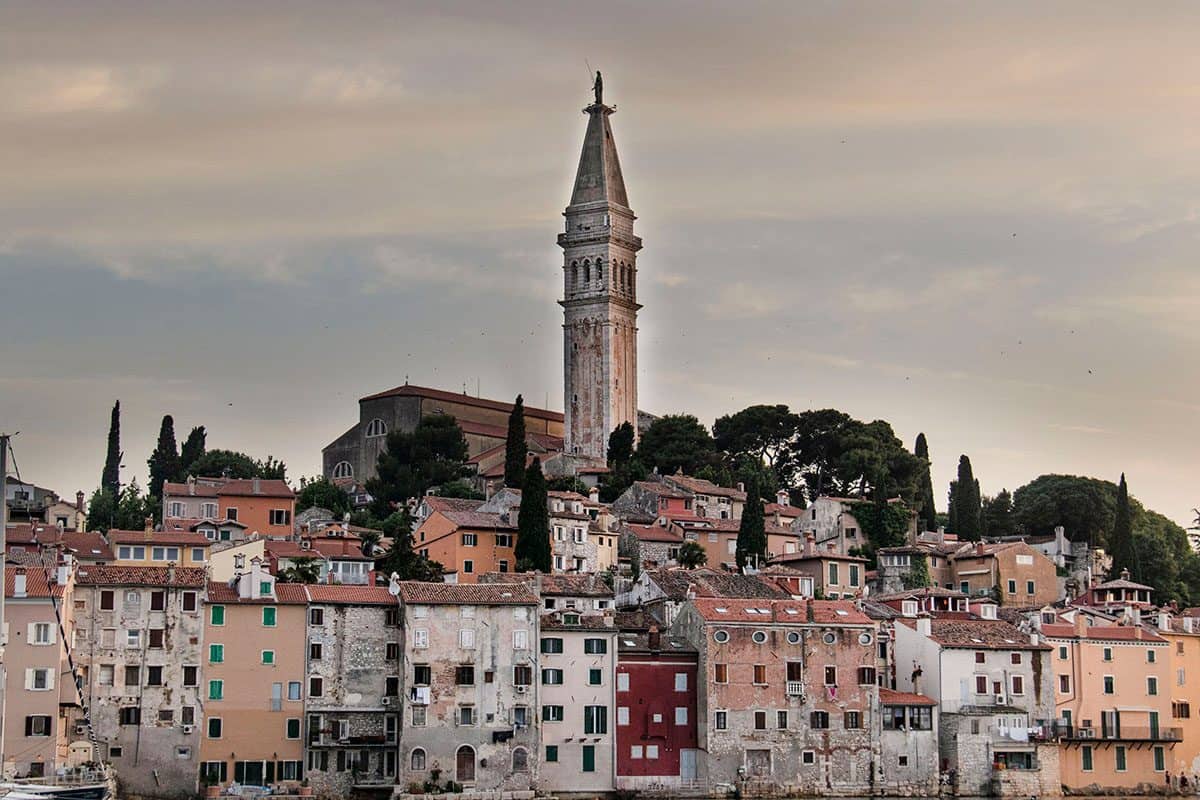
{"type": "Point", "coordinates": [599, 293]}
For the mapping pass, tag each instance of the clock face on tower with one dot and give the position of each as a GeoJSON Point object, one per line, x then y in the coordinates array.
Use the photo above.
{"type": "Point", "coordinates": [599, 296]}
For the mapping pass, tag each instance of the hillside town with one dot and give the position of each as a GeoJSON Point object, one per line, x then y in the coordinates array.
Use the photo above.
{"type": "Point", "coordinates": [543, 607]}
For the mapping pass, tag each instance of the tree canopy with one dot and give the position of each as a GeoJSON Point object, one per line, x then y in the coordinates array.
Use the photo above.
{"type": "Point", "coordinates": [110, 477]}
{"type": "Point", "coordinates": [691, 555]}
{"type": "Point", "coordinates": [966, 503]}
{"type": "Point", "coordinates": [514, 446]}
{"type": "Point", "coordinates": [435, 452]}
{"type": "Point", "coordinates": [766, 434]}
{"type": "Point", "coordinates": [751, 545]}
{"type": "Point", "coordinates": [676, 442]}
{"type": "Point", "coordinates": [126, 511]}
{"type": "Point", "coordinates": [620, 445]}
{"type": "Point", "coordinates": [1085, 507]}
{"type": "Point", "coordinates": [238, 465]}
{"type": "Point", "coordinates": [191, 451]}
{"type": "Point", "coordinates": [1121, 547]}
{"type": "Point", "coordinates": [926, 508]}
{"type": "Point", "coordinates": [164, 462]}
{"type": "Point", "coordinates": [402, 559]}
{"type": "Point", "coordinates": [533, 523]}
{"type": "Point", "coordinates": [322, 493]}
{"type": "Point", "coordinates": [837, 454]}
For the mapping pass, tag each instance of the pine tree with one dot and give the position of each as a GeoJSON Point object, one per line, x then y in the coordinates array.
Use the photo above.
{"type": "Point", "coordinates": [533, 523]}
{"type": "Point", "coordinates": [752, 534]}
{"type": "Point", "coordinates": [192, 451]}
{"type": "Point", "coordinates": [110, 478]}
{"type": "Point", "coordinates": [515, 447]}
{"type": "Point", "coordinates": [927, 509]}
{"type": "Point", "coordinates": [966, 502]}
{"type": "Point", "coordinates": [620, 445]}
{"type": "Point", "coordinates": [1121, 542]}
{"type": "Point", "coordinates": [164, 462]}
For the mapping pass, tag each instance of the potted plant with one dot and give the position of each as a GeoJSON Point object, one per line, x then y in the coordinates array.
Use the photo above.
{"type": "Point", "coordinates": [305, 790]}
{"type": "Point", "coordinates": [211, 787]}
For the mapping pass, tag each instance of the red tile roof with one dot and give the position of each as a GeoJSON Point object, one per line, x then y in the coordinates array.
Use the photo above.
{"type": "Point", "coordinates": [794, 612]}
{"type": "Point", "coordinates": [171, 489]}
{"type": "Point", "coordinates": [350, 595]}
{"type": "Point", "coordinates": [285, 594]}
{"type": "Point", "coordinates": [245, 487]}
{"type": "Point", "coordinates": [87, 546]}
{"type": "Point", "coordinates": [889, 697]}
{"type": "Point", "coordinates": [784, 511]}
{"type": "Point", "coordinates": [478, 519]}
{"type": "Point", "coordinates": [1110, 633]}
{"type": "Point", "coordinates": [37, 582]}
{"type": "Point", "coordinates": [186, 577]}
{"type": "Point", "coordinates": [411, 390]}
{"type": "Point", "coordinates": [286, 548]}
{"type": "Point", "coordinates": [662, 490]}
{"type": "Point", "coordinates": [702, 486]}
{"type": "Point", "coordinates": [654, 533]}
{"type": "Point", "coordinates": [977, 634]}
{"type": "Point", "coordinates": [477, 594]}
{"type": "Point", "coordinates": [436, 503]}
{"type": "Point", "coordinates": [186, 538]}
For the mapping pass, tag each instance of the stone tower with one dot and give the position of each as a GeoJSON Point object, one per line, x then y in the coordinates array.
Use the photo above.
{"type": "Point", "coordinates": [599, 294]}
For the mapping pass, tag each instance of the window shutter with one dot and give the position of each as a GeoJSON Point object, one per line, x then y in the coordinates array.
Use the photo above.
{"type": "Point", "coordinates": [29, 678]}
{"type": "Point", "coordinates": [29, 726]}
{"type": "Point", "coordinates": [31, 633]}
{"type": "Point", "coordinates": [239, 771]}
{"type": "Point", "coordinates": [49, 679]}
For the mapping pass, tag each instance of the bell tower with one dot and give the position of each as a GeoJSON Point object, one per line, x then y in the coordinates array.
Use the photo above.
{"type": "Point", "coordinates": [599, 293]}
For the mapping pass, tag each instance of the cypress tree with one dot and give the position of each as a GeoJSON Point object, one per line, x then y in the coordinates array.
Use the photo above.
{"type": "Point", "coordinates": [1121, 545]}
{"type": "Point", "coordinates": [192, 451]}
{"type": "Point", "coordinates": [927, 511]}
{"type": "Point", "coordinates": [164, 462]}
{"type": "Point", "coordinates": [110, 478]}
{"type": "Point", "coordinates": [515, 447]}
{"type": "Point", "coordinates": [533, 523]}
{"type": "Point", "coordinates": [620, 445]}
{"type": "Point", "coordinates": [752, 533]}
{"type": "Point", "coordinates": [967, 502]}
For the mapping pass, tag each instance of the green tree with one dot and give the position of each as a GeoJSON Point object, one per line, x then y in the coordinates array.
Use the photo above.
{"type": "Point", "coordinates": [434, 453]}
{"type": "Point", "coordinates": [110, 478]}
{"type": "Point", "coordinates": [676, 442]}
{"type": "Point", "coordinates": [216, 463]}
{"type": "Point", "coordinates": [126, 511]}
{"type": "Point", "coordinates": [620, 445]}
{"type": "Point", "coordinates": [1085, 507]}
{"type": "Point", "coordinates": [533, 523]}
{"type": "Point", "coordinates": [752, 534]}
{"type": "Point", "coordinates": [164, 462]}
{"type": "Point", "coordinates": [917, 576]}
{"type": "Point", "coordinates": [460, 489]}
{"type": "Point", "coordinates": [996, 515]}
{"type": "Point", "coordinates": [302, 570]}
{"type": "Point", "coordinates": [764, 433]}
{"type": "Point", "coordinates": [965, 503]}
{"type": "Point", "coordinates": [192, 450]}
{"type": "Point", "coordinates": [837, 454]}
{"type": "Point", "coordinates": [691, 555]}
{"type": "Point", "coordinates": [515, 448]}
{"type": "Point", "coordinates": [926, 509]}
{"type": "Point", "coordinates": [322, 493]}
{"type": "Point", "coordinates": [1121, 545]}
{"type": "Point", "coordinates": [401, 559]}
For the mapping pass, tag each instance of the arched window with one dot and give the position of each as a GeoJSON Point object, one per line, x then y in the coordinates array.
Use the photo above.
{"type": "Point", "coordinates": [376, 427]}
{"type": "Point", "coordinates": [520, 760]}
{"type": "Point", "coordinates": [417, 759]}
{"type": "Point", "coordinates": [574, 274]}
{"type": "Point", "coordinates": [587, 271]}
{"type": "Point", "coordinates": [343, 469]}
{"type": "Point", "coordinates": [624, 277]}
{"type": "Point", "coordinates": [599, 271]}
{"type": "Point", "coordinates": [464, 764]}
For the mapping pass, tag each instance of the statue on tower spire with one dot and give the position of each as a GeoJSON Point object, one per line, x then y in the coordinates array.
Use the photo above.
{"type": "Point", "coordinates": [598, 89]}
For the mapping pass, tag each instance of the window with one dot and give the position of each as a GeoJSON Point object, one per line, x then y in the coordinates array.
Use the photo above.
{"type": "Point", "coordinates": [760, 720]}
{"type": "Point", "coordinates": [781, 720]}
{"type": "Point", "coordinates": [470, 539]}
{"type": "Point", "coordinates": [589, 758]}
{"type": "Point", "coordinates": [280, 516]}
{"type": "Point", "coordinates": [721, 720]}
{"type": "Point", "coordinates": [420, 638]}
{"type": "Point", "coordinates": [106, 675]}
{"type": "Point", "coordinates": [316, 687]}
{"type": "Point", "coordinates": [721, 637]}
{"type": "Point", "coordinates": [216, 690]}
{"type": "Point", "coordinates": [292, 728]}
{"type": "Point", "coordinates": [268, 656]}
{"type": "Point", "coordinates": [552, 713]}
{"type": "Point", "coordinates": [1029, 587]}
{"type": "Point", "coordinates": [106, 600]}
{"type": "Point", "coordinates": [464, 675]}
{"type": "Point", "coordinates": [595, 646]}
{"type": "Point", "coordinates": [595, 720]}
{"type": "Point", "coordinates": [552, 753]}
{"type": "Point", "coordinates": [720, 673]}
{"type": "Point", "coordinates": [1018, 684]}
{"type": "Point", "coordinates": [1151, 685]}
{"type": "Point", "coordinates": [133, 676]}
{"type": "Point", "coordinates": [1064, 684]}
{"type": "Point", "coordinates": [1120, 758]}
{"type": "Point", "coordinates": [316, 616]}
{"type": "Point", "coordinates": [866, 676]}
{"type": "Point", "coordinates": [852, 720]}
{"type": "Point", "coordinates": [469, 566]}
{"type": "Point", "coordinates": [681, 715]}
{"type": "Point", "coordinates": [1012, 587]}
{"type": "Point", "coordinates": [1062, 653]}
{"type": "Point", "coordinates": [130, 715]}
{"type": "Point", "coordinates": [808, 757]}
{"type": "Point", "coordinates": [759, 637]}
{"type": "Point", "coordinates": [156, 638]}
{"type": "Point", "coordinates": [833, 574]}
{"type": "Point", "coordinates": [550, 645]}
{"type": "Point", "coordinates": [268, 616]}
{"type": "Point", "coordinates": [981, 684]}
{"type": "Point", "coordinates": [216, 615]}
{"type": "Point", "coordinates": [1150, 656]}
{"type": "Point", "coordinates": [522, 675]}
{"type": "Point", "coordinates": [819, 720]}
{"type": "Point", "coordinates": [1015, 658]}
{"type": "Point", "coordinates": [760, 674]}
{"type": "Point", "coordinates": [376, 427]}
{"type": "Point", "coordinates": [1160, 760]}
{"type": "Point", "coordinates": [854, 574]}
{"type": "Point", "coordinates": [133, 638]}
{"type": "Point", "coordinates": [1181, 710]}
{"type": "Point", "coordinates": [980, 657]}
{"type": "Point", "coordinates": [1108, 654]}
{"type": "Point", "coordinates": [504, 540]}
{"type": "Point", "coordinates": [154, 676]}
{"type": "Point", "coordinates": [37, 725]}
{"type": "Point", "coordinates": [419, 716]}
{"type": "Point", "coordinates": [595, 677]}
{"type": "Point", "coordinates": [681, 681]}
{"type": "Point", "coordinates": [216, 653]}
{"type": "Point", "coordinates": [831, 676]}
{"type": "Point", "coordinates": [466, 638]}
{"type": "Point", "coordinates": [343, 469]}
{"type": "Point", "coordinates": [1109, 684]}
{"type": "Point", "coordinates": [520, 760]}
{"type": "Point", "coordinates": [636, 751]}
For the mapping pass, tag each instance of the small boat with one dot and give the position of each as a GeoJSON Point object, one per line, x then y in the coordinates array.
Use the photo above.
{"type": "Point", "coordinates": [77, 784]}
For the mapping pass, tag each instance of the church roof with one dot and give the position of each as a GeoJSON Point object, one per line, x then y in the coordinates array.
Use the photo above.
{"type": "Point", "coordinates": [599, 178]}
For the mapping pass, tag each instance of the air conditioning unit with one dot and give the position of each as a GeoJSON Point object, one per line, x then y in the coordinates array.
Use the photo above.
{"type": "Point", "coordinates": [189, 729]}
{"type": "Point", "coordinates": [81, 730]}
{"type": "Point", "coordinates": [1001, 700]}
{"type": "Point", "coordinates": [387, 701]}
{"type": "Point", "coordinates": [521, 689]}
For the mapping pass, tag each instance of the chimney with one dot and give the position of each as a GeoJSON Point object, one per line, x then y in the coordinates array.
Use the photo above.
{"type": "Point", "coordinates": [149, 533]}
{"type": "Point", "coordinates": [810, 543]}
{"type": "Point", "coordinates": [1125, 574]}
{"type": "Point", "coordinates": [654, 638]}
{"type": "Point", "coordinates": [979, 548]}
{"type": "Point", "coordinates": [941, 532]}
{"type": "Point", "coordinates": [1060, 538]}
{"type": "Point", "coordinates": [191, 485]}
{"type": "Point", "coordinates": [1081, 625]}
{"type": "Point", "coordinates": [19, 584]}
{"type": "Point", "coordinates": [171, 573]}
{"type": "Point", "coordinates": [778, 519]}
{"type": "Point", "coordinates": [1135, 616]}
{"type": "Point", "coordinates": [594, 494]}
{"type": "Point", "coordinates": [783, 498]}
{"type": "Point", "coordinates": [1188, 625]}
{"type": "Point", "coordinates": [257, 486]}
{"type": "Point", "coordinates": [63, 571]}
{"type": "Point", "coordinates": [741, 486]}
{"type": "Point", "coordinates": [925, 626]}
{"type": "Point", "coordinates": [79, 502]}
{"type": "Point", "coordinates": [1164, 621]}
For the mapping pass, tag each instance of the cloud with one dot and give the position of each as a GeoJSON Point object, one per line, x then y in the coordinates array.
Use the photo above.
{"type": "Point", "coordinates": [943, 288]}
{"type": "Point", "coordinates": [743, 301]}
{"type": "Point", "coordinates": [1088, 429]}
{"type": "Point", "coordinates": [37, 90]}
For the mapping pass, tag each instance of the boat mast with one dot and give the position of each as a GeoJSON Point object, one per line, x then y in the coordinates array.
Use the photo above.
{"type": "Point", "coordinates": [3, 566]}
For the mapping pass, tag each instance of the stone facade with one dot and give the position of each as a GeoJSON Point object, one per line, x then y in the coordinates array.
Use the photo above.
{"type": "Point", "coordinates": [139, 642]}
{"type": "Point", "coordinates": [599, 296]}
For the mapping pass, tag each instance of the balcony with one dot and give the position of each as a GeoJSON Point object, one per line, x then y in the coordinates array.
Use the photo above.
{"type": "Point", "coordinates": [795, 688]}
{"type": "Point", "coordinates": [1122, 733]}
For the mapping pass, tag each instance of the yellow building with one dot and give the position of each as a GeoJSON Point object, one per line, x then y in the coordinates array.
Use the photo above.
{"type": "Point", "coordinates": [151, 548]}
{"type": "Point", "coordinates": [1183, 639]}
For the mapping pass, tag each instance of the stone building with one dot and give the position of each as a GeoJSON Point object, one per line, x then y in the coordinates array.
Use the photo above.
{"type": "Point", "coordinates": [139, 640]}
{"type": "Point", "coordinates": [787, 695]}
{"type": "Point", "coordinates": [599, 295]}
{"type": "Point", "coordinates": [353, 455]}
{"type": "Point", "coordinates": [353, 689]}
{"type": "Point", "coordinates": [648, 546]}
{"type": "Point", "coordinates": [470, 693]}
{"type": "Point", "coordinates": [835, 574]}
{"type": "Point", "coordinates": [908, 744]}
{"type": "Point", "coordinates": [253, 678]}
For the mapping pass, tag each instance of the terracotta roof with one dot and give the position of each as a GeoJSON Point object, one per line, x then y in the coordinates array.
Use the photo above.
{"type": "Point", "coordinates": [35, 533]}
{"type": "Point", "coordinates": [783, 511]}
{"type": "Point", "coordinates": [1111, 633]}
{"type": "Point", "coordinates": [436, 503]}
{"type": "Point", "coordinates": [700, 524]}
{"type": "Point", "coordinates": [878, 610]}
{"type": "Point", "coordinates": [286, 548]}
{"type": "Point", "coordinates": [187, 577]}
{"type": "Point", "coordinates": [977, 634]}
{"type": "Point", "coordinates": [669, 646]}
{"type": "Point", "coordinates": [676, 583]}
{"type": "Point", "coordinates": [662, 490]}
{"type": "Point", "coordinates": [285, 594]}
{"type": "Point", "coordinates": [340, 549]}
{"type": "Point", "coordinates": [587, 622]}
{"type": "Point", "coordinates": [634, 619]}
{"type": "Point", "coordinates": [588, 585]}
{"type": "Point", "coordinates": [468, 594]}
{"type": "Point", "coordinates": [838, 612]}
{"type": "Point", "coordinates": [171, 489]}
{"type": "Point", "coordinates": [87, 546]}
{"type": "Point", "coordinates": [654, 533]}
{"type": "Point", "coordinates": [889, 697]}
{"type": "Point", "coordinates": [702, 486]}
{"type": "Point", "coordinates": [793, 612]}
{"type": "Point", "coordinates": [186, 538]}
{"type": "Point", "coordinates": [829, 555]}
{"type": "Point", "coordinates": [350, 595]}
{"type": "Point", "coordinates": [913, 594]}
{"type": "Point", "coordinates": [244, 487]}
{"type": "Point", "coordinates": [37, 583]}
{"type": "Point", "coordinates": [1121, 583]}
{"type": "Point", "coordinates": [479, 519]}
{"type": "Point", "coordinates": [412, 390]}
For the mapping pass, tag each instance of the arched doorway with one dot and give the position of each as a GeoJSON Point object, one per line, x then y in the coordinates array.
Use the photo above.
{"type": "Point", "coordinates": [464, 765]}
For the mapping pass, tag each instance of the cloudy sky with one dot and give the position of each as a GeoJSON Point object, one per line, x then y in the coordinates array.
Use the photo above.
{"type": "Point", "coordinates": [974, 220]}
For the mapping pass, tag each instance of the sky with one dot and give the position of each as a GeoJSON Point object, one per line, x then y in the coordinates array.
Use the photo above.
{"type": "Point", "coordinates": [976, 220]}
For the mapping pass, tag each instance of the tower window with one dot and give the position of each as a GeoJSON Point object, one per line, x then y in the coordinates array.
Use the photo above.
{"type": "Point", "coordinates": [343, 470]}
{"type": "Point", "coordinates": [587, 272]}
{"type": "Point", "coordinates": [376, 427]}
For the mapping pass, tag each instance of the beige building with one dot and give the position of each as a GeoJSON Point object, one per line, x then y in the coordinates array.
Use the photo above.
{"type": "Point", "coordinates": [40, 696]}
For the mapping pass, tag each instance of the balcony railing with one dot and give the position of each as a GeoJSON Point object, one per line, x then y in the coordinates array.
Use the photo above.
{"type": "Point", "coordinates": [1126, 733]}
{"type": "Point", "coordinates": [795, 688]}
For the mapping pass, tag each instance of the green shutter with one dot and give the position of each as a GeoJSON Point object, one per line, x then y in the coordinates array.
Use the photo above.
{"type": "Point", "coordinates": [1121, 759]}
{"type": "Point", "coordinates": [216, 690]}
{"type": "Point", "coordinates": [216, 653]}
{"type": "Point", "coordinates": [269, 616]}
{"type": "Point", "coordinates": [551, 753]}
{"type": "Point", "coordinates": [268, 656]}
{"type": "Point", "coordinates": [1087, 759]}
{"type": "Point", "coordinates": [1159, 759]}
{"type": "Point", "coordinates": [589, 758]}
{"type": "Point", "coordinates": [293, 729]}
{"type": "Point", "coordinates": [218, 615]}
